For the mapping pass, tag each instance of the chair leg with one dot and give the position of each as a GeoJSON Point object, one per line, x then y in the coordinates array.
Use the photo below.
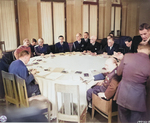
{"type": "Point", "coordinates": [109, 118]}
{"type": "Point", "coordinates": [93, 110]}
{"type": "Point", "coordinates": [6, 103]}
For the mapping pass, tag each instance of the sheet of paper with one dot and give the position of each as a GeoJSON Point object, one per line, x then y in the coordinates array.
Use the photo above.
{"type": "Point", "coordinates": [53, 76]}
{"type": "Point", "coordinates": [43, 73]}
{"type": "Point", "coordinates": [58, 69]}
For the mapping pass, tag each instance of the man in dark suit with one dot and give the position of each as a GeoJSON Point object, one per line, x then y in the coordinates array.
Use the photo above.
{"type": "Point", "coordinates": [128, 42]}
{"type": "Point", "coordinates": [144, 31]}
{"type": "Point", "coordinates": [131, 93]}
{"type": "Point", "coordinates": [86, 39]}
{"type": "Point", "coordinates": [111, 46]}
{"type": "Point", "coordinates": [61, 46]}
{"type": "Point", "coordinates": [41, 49]}
{"type": "Point", "coordinates": [78, 46]}
{"type": "Point", "coordinates": [93, 46]}
{"type": "Point", "coordinates": [18, 67]}
{"type": "Point", "coordinates": [32, 45]}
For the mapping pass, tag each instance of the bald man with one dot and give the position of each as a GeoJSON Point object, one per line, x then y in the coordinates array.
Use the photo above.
{"type": "Point", "coordinates": [42, 49]}
{"type": "Point", "coordinates": [25, 46]}
{"type": "Point", "coordinates": [93, 46]}
{"type": "Point", "coordinates": [78, 46]}
{"type": "Point", "coordinates": [110, 66]}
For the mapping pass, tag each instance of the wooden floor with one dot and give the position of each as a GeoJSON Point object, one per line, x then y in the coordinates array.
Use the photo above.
{"type": "Point", "coordinates": [97, 118]}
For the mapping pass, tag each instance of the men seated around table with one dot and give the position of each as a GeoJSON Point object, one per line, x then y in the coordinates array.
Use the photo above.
{"type": "Point", "coordinates": [41, 49]}
{"type": "Point", "coordinates": [25, 46]}
{"type": "Point", "coordinates": [18, 67]}
{"type": "Point", "coordinates": [110, 66]}
{"type": "Point", "coordinates": [93, 47]}
{"type": "Point", "coordinates": [32, 45]}
{"type": "Point", "coordinates": [144, 31]}
{"type": "Point", "coordinates": [61, 46]}
{"type": "Point", "coordinates": [86, 39]}
{"type": "Point", "coordinates": [111, 46]}
{"type": "Point", "coordinates": [131, 92]}
{"type": "Point", "coordinates": [78, 46]}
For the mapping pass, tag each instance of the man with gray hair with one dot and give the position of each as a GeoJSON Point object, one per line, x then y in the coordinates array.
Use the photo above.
{"type": "Point", "coordinates": [93, 47]}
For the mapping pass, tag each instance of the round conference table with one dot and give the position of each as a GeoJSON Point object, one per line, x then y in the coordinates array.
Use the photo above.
{"type": "Point", "coordinates": [65, 69]}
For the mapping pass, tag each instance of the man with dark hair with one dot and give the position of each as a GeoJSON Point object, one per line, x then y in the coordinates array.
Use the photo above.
{"type": "Point", "coordinates": [18, 67]}
{"type": "Point", "coordinates": [128, 42]}
{"type": "Point", "coordinates": [78, 46]}
{"type": "Point", "coordinates": [131, 93]}
{"type": "Point", "coordinates": [86, 39]}
{"type": "Point", "coordinates": [144, 31]}
{"type": "Point", "coordinates": [61, 46]}
{"type": "Point", "coordinates": [111, 46]}
{"type": "Point", "coordinates": [32, 45]}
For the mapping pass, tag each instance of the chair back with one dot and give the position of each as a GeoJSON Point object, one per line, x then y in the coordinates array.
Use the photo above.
{"type": "Point", "coordinates": [68, 102]}
{"type": "Point", "coordinates": [22, 92]}
{"type": "Point", "coordinates": [10, 88]}
{"type": "Point", "coordinates": [2, 46]}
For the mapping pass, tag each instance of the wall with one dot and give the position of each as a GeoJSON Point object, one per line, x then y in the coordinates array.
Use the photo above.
{"type": "Point", "coordinates": [28, 19]}
{"type": "Point", "coordinates": [133, 14]}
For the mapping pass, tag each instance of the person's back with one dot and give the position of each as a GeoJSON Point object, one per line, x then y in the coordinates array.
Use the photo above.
{"type": "Point", "coordinates": [131, 93]}
{"type": "Point", "coordinates": [19, 68]}
{"type": "Point", "coordinates": [137, 67]}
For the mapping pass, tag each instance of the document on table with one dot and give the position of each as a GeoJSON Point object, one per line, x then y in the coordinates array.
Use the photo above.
{"type": "Point", "coordinates": [58, 69]}
{"type": "Point", "coordinates": [43, 73]}
{"type": "Point", "coordinates": [53, 76]}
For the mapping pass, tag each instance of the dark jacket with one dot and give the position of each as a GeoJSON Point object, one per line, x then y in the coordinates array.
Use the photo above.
{"type": "Point", "coordinates": [135, 42]}
{"type": "Point", "coordinates": [61, 48]}
{"type": "Point", "coordinates": [111, 52]}
{"type": "Point", "coordinates": [93, 48]}
{"type": "Point", "coordinates": [86, 42]}
{"type": "Point", "coordinates": [78, 47]}
{"type": "Point", "coordinates": [39, 50]}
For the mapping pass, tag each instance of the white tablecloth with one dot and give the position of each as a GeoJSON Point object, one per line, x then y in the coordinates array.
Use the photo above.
{"type": "Point", "coordinates": [71, 64]}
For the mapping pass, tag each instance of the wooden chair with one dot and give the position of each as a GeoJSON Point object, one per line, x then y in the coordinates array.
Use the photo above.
{"type": "Point", "coordinates": [11, 95]}
{"type": "Point", "coordinates": [38, 101]}
{"type": "Point", "coordinates": [67, 110]}
{"type": "Point", "coordinates": [2, 46]}
{"type": "Point", "coordinates": [103, 107]}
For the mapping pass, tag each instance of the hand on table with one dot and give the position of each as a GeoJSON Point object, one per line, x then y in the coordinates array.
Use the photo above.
{"type": "Point", "coordinates": [42, 54]}
{"type": "Point", "coordinates": [34, 71]}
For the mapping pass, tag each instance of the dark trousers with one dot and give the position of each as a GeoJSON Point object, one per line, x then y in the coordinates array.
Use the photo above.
{"type": "Point", "coordinates": [126, 115]}
{"type": "Point", "coordinates": [33, 89]}
{"type": "Point", "coordinates": [95, 89]}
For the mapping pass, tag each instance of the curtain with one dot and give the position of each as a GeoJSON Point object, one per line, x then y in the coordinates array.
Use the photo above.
{"type": "Point", "coordinates": [46, 21]}
{"type": "Point", "coordinates": [85, 18]}
{"type": "Point", "coordinates": [59, 20]}
{"type": "Point", "coordinates": [8, 24]}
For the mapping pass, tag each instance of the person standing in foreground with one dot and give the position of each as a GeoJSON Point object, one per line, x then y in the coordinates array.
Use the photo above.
{"type": "Point", "coordinates": [131, 93]}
